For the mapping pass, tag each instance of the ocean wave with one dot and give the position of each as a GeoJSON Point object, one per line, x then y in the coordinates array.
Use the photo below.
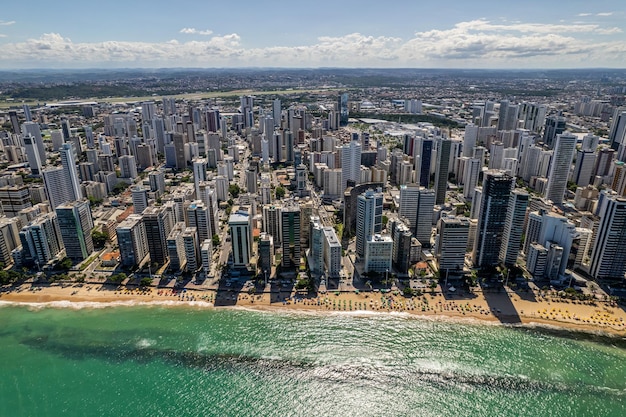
{"type": "Point", "coordinates": [80, 305]}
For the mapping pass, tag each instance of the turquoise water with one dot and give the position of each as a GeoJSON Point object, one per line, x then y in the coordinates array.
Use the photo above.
{"type": "Point", "coordinates": [157, 361]}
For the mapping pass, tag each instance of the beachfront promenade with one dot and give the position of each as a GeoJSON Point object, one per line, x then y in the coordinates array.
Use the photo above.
{"type": "Point", "coordinates": [507, 307]}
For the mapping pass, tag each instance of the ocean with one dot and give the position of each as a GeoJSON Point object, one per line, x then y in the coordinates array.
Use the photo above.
{"type": "Point", "coordinates": [190, 361]}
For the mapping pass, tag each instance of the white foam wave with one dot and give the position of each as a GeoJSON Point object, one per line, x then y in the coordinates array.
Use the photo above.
{"type": "Point", "coordinates": [79, 305]}
{"type": "Point", "coordinates": [145, 343]}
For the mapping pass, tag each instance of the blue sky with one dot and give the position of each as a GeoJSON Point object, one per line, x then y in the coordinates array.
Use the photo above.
{"type": "Point", "coordinates": [323, 33]}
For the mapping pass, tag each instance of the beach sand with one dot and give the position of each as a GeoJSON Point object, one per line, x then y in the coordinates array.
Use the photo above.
{"type": "Point", "coordinates": [506, 308]}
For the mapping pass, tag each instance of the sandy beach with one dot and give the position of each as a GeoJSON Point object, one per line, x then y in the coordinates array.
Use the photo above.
{"type": "Point", "coordinates": [505, 308]}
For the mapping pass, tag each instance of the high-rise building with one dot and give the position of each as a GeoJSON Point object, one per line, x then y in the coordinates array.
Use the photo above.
{"type": "Point", "coordinates": [32, 129]}
{"type": "Point", "coordinates": [378, 253]}
{"type": "Point", "coordinates": [56, 186]}
{"type": "Point", "coordinates": [417, 205]}
{"type": "Point", "coordinates": [470, 177]}
{"type": "Point", "coordinates": [608, 258]}
{"type": "Point", "coordinates": [425, 158]}
{"type": "Point", "coordinates": [560, 167]}
{"type": "Point", "coordinates": [9, 238]}
{"type": "Point", "coordinates": [251, 181]}
{"type": "Point", "coordinates": [452, 243]}
{"type": "Point", "coordinates": [555, 125]}
{"type": "Point", "coordinates": [199, 173]}
{"type": "Point", "coordinates": [546, 228]}
{"type": "Point", "coordinates": [342, 108]}
{"type": "Point", "coordinates": [301, 175]}
{"type": "Point", "coordinates": [351, 163]}
{"type": "Point", "coordinates": [508, 116]}
{"type": "Point", "coordinates": [69, 170]}
{"type": "Point", "coordinates": [179, 140]}
{"type": "Point", "coordinates": [369, 217]}
{"type": "Point", "coordinates": [34, 161]}
{"type": "Point", "coordinates": [158, 223]}
{"type": "Point", "coordinates": [401, 236]}
{"type": "Point", "coordinates": [75, 224]}
{"type": "Point", "coordinates": [208, 195]}
{"type": "Point", "coordinates": [128, 166]}
{"type": "Point", "coordinates": [617, 134]}
{"type": "Point", "coordinates": [190, 243]}
{"type": "Point", "coordinates": [148, 111]}
{"type": "Point", "coordinates": [176, 248]}
{"type": "Point", "coordinates": [157, 181]}
{"type": "Point", "coordinates": [316, 253]}
{"type": "Point", "coordinates": [240, 227]}
{"type": "Point", "coordinates": [271, 222]}
{"type": "Point", "coordinates": [266, 253]}
{"type": "Point", "coordinates": [198, 218]}
{"type": "Point", "coordinates": [41, 240]}
{"type": "Point", "coordinates": [132, 240]}
{"type": "Point", "coordinates": [14, 198]}
{"type": "Point", "coordinates": [583, 169]}
{"type": "Point", "coordinates": [276, 112]}
{"type": "Point", "coordinates": [332, 253]}
{"type": "Point", "coordinates": [494, 204]}
{"type": "Point", "coordinates": [290, 234]}
{"type": "Point", "coordinates": [513, 227]}
{"type": "Point", "coordinates": [441, 171]}
{"type": "Point", "coordinates": [140, 198]}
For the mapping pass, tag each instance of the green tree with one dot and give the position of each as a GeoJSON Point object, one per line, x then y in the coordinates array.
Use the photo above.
{"type": "Point", "coordinates": [234, 190]}
{"type": "Point", "coordinates": [280, 192]}
{"type": "Point", "coordinates": [119, 188]}
{"type": "Point", "coordinates": [408, 291]}
{"type": "Point", "coordinates": [145, 282]}
{"type": "Point", "coordinates": [99, 238]}
{"type": "Point", "coordinates": [93, 201]}
{"type": "Point", "coordinates": [118, 278]}
{"type": "Point", "coordinates": [66, 263]}
{"type": "Point", "coordinates": [216, 240]}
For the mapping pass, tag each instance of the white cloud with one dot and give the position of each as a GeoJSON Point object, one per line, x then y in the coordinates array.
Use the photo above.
{"type": "Point", "coordinates": [605, 14]}
{"type": "Point", "coordinates": [477, 43]}
{"type": "Point", "coordinates": [193, 31]}
{"type": "Point", "coordinates": [5, 23]}
{"type": "Point", "coordinates": [584, 14]}
{"type": "Point", "coordinates": [485, 25]}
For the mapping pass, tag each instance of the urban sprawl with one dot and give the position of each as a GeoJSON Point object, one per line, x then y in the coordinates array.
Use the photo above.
{"type": "Point", "coordinates": [444, 182]}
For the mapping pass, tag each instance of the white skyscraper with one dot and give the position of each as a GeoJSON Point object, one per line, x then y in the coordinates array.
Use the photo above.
{"type": "Point", "coordinates": [240, 226]}
{"type": "Point", "coordinates": [32, 154]}
{"type": "Point", "coordinates": [199, 173]}
{"type": "Point", "coordinates": [351, 163]}
{"type": "Point", "coordinates": [513, 227]}
{"type": "Point", "coordinates": [31, 128]}
{"type": "Point", "coordinates": [69, 168]}
{"type": "Point", "coordinates": [417, 205]}
{"type": "Point", "coordinates": [378, 253]}
{"type": "Point", "coordinates": [560, 167]}
{"type": "Point", "coordinates": [546, 228]}
{"type": "Point", "coordinates": [452, 244]}
{"type": "Point", "coordinates": [369, 217]}
{"type": "Point", "coordinates": [132, 240]}
{"type": "Point", "coordinates": [140, 199]}
{"type": "Point", "coordinates": [316, 252]}
{"type": "Point", "coordinates": [470, 177]}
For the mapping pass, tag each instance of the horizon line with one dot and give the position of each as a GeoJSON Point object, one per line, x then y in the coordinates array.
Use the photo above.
{"type": "Point", "coordinates": [316, 68]}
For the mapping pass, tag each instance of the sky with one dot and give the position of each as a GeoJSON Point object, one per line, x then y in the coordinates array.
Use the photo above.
{"type": "Point", "coordinates": [501, 34]}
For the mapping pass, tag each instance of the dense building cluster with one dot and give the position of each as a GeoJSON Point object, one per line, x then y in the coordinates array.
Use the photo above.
{"type": "Point", "coordinates": [263, 188]}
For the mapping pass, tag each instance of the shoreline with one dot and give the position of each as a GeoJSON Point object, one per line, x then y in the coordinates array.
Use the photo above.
{"type": "Point", "coordinates": [507, 309]}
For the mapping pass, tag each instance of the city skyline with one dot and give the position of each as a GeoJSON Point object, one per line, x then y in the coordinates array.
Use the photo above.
{"type": "Point", "coordinates": [349, 34]}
